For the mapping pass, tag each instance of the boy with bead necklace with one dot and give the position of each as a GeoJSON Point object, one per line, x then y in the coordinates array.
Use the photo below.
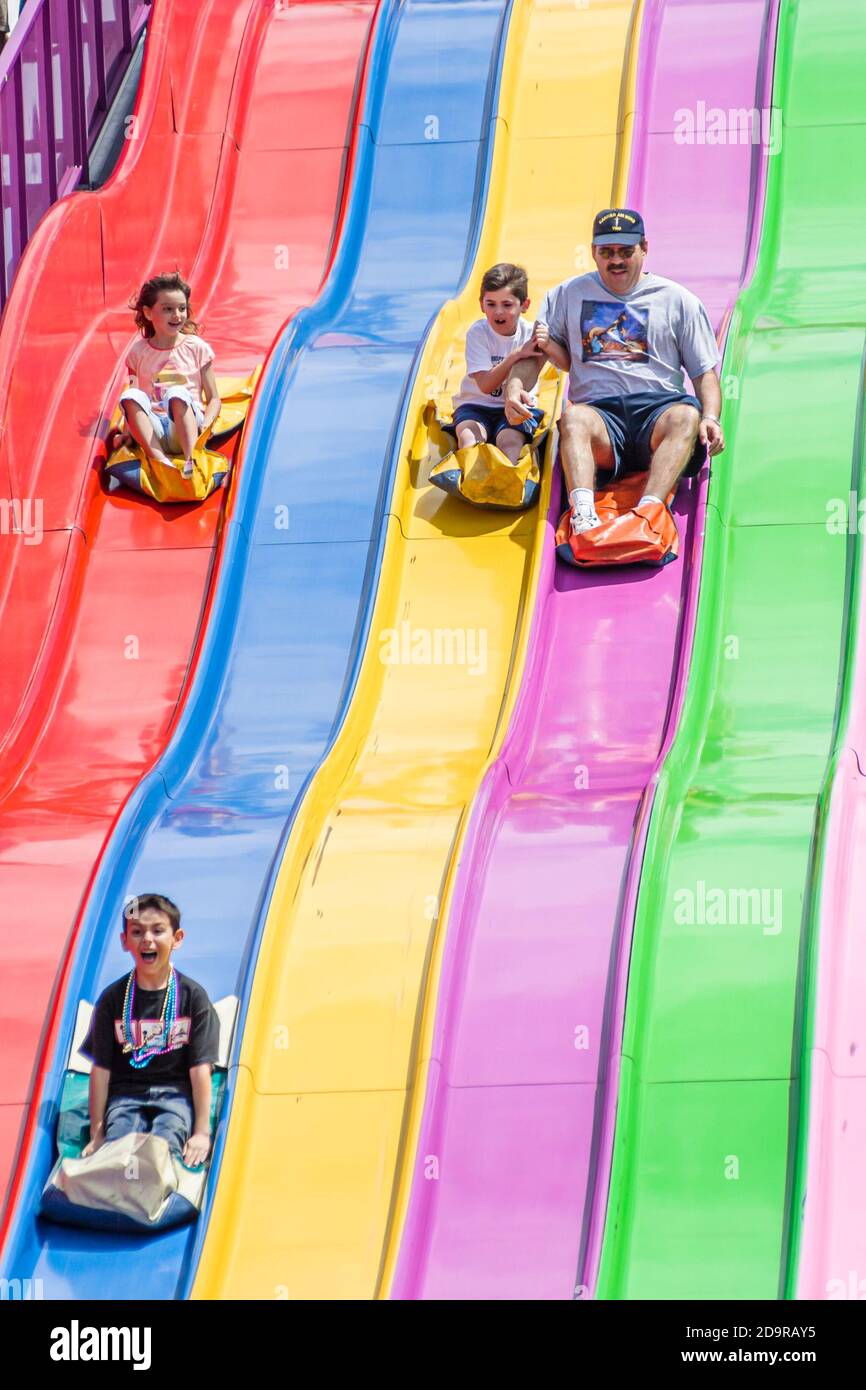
{"type": "Point", "coordinates": [153, 1038]}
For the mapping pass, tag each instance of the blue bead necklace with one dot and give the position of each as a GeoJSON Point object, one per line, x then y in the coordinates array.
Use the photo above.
{"type": "Point", "coordinates": [142, 1055]}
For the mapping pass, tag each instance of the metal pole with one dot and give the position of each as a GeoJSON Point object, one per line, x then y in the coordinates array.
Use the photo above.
{"type": "Point", "coordinates": [50, 130]}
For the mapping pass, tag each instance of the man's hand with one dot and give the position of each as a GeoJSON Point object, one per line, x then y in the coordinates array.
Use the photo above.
{"type": "Point", "coordinates": [196, 1150]}
{"type": "Point", "coordinates": [550, 348]}
{"type": "Point", "coordinates": [712, 436]}
{"type": "Point", "coordinates": [541, 337]}
{"type": "Point", "coordinates": [94, 1144]}
{"type": "Point", "coordinates": [518, 405]}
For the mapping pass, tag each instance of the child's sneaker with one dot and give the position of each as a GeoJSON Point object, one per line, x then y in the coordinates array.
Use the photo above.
{"type": "Point", "coordinates": [187, 468]}
{"type": "Point", "coordinates": [157, 456]}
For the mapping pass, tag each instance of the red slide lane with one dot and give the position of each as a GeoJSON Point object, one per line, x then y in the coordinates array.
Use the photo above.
{"type": "Point", "coordinates": [234, 173]}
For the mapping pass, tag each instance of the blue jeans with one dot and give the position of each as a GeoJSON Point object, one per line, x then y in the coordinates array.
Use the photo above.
{"type": "Point", "coordinates": [162, 1110]}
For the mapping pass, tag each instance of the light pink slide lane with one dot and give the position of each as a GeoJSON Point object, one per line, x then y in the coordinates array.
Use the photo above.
{"type": "Point", "coordinates": [518, 1112]}
{"type": "Point", "coordinates": [833, 1249]}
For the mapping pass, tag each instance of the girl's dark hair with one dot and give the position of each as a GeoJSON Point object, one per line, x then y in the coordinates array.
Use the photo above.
{"type": "Point", "coordinates": [133, 907]}
{"type": "Point", "coordinates": [148, 295]}
{"type": "Point", "coordinates": [506, 276]}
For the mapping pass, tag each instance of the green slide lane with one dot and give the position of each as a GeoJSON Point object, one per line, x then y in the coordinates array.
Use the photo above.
{"type": "Point", "coordinates": [700, 1202]}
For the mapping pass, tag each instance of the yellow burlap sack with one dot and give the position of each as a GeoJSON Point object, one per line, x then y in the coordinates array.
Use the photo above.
{"type": "Point", "coordinates": [130, 466]}
{"type": "Point", "coordinates": [484, 476]}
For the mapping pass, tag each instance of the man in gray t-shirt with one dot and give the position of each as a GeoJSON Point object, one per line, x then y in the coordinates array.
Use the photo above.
{"type": "Point", "coordinates": [625, 337]}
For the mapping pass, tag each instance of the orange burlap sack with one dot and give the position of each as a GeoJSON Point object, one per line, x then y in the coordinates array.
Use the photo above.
{"type": "Point", "coordinates": [626, 536]}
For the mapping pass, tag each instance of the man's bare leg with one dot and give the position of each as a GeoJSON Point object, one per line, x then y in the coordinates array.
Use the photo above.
{"type": "Point", "coordinates": [671, 443]}
{"type": "Point", "coordinates": [584, 447]}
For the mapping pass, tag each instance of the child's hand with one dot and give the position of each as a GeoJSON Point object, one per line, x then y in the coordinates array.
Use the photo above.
{"type": "Point", "coordinates": [518, 407]}
{"type": "Point", "coordinates": [120, 439]}
{"type": "Point", "coordinates": [528, 350]}
{"type": "Point", "coordinates": [94, 1144]}
{"type": "Point", "coordinates": [196, 1150]}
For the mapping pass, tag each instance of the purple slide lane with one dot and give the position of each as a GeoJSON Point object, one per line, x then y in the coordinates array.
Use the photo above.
{"type": "Point", "coordinates": [521, 1086]}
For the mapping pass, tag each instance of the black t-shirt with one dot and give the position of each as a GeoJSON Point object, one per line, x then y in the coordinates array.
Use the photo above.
{"type": "Point", "coordinates": [195, 1036]}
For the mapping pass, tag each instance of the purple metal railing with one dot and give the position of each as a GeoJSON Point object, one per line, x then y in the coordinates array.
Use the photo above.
{"type": "Point", "coordinates": [59, 73]}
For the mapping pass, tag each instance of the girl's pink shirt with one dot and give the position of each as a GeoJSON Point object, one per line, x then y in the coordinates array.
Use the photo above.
{"type": "Point", "coordinates": [187, 358]}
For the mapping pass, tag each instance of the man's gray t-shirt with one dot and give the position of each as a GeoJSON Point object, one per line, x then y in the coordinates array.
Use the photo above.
{"type": "Point", "coordinates": [638, 341]}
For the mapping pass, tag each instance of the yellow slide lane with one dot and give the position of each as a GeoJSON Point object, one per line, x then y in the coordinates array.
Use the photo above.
{"type": "Point", "coordinates": [309, 1199]}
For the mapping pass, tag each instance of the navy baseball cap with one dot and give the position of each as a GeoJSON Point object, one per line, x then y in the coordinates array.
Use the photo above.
{"type": "Point", "coordinates": [617, 227]}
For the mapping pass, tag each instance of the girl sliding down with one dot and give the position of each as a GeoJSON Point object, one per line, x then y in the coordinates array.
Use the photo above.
{"type": "Point", "coordinates": [169, 367]}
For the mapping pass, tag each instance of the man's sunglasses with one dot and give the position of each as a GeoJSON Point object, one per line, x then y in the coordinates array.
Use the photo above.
{"type": "Point", "coordinates": [609, 253]}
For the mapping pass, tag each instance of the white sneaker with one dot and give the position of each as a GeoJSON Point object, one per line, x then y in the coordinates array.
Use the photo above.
{"type": "Point", "coordinates": [187, 468]}
{"type": "Point", "coordinates": [583, 521]}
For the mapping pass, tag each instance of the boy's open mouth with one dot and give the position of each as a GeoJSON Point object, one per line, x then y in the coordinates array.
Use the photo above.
{"type": "Point", "coordinates": [149, 956]}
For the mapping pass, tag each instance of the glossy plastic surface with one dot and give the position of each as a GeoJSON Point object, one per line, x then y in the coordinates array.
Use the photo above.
{"type": "Point", "coordinates": [316, 1138]}
{"type": "Point", "coordinates": [105, 613]}
{"type": "Point", "coordinates": [827, 1257]}
{"type": "Point", "coordinates": [308, 1169]}
{"type": "Point", "coordinates": [290, 604]}
{"type": "Point", "coordinates": [521, 1082]}
{"type": "Point", "coordinates": [701, 1197]}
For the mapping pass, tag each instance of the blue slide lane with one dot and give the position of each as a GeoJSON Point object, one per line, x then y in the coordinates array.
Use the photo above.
{"type": "Point", "coordinates": [287, 630]}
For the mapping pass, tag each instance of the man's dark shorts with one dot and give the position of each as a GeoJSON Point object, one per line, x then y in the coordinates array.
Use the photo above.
{"type": "Point", "coordinates": [630, 420]}
{"type": "Point", "coordinates": [492, 417]}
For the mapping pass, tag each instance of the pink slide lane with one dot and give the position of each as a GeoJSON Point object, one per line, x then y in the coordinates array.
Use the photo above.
{"type": "Point", "coordinates": [833, 1249]}
{"type": "Point", "coordinates": [522, 1082]}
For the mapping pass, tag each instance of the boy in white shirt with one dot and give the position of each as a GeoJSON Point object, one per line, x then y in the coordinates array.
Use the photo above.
{"type": "Point", "coordinates": [493, 345]}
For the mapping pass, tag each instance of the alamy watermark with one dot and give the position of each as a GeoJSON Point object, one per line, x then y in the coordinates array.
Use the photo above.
{"type": "Point", "coordinates": [22, 516]}
{"type": "Point", "coordinates": [21, 1290]}
{"type": "Point", "coordinates": [853, 1287]}
{"type": "Point", "coordinates": [846, 516]}
{"type": "Point", "coordinates": [736, 125]}
{"type": "Point", "coordinates": [704, 906]}
{"type": "Point", "coordinates": [434, 646]}
{"type": "Point", "coordinates": [77, 1343]}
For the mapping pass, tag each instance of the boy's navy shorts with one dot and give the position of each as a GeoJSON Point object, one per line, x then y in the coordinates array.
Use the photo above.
{"type": "Point", "coordinates": [630, 420]}
{"type": "Point", "coordinates": [492, 417]}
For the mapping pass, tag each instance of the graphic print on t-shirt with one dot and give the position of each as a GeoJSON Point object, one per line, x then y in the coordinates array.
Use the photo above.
{"type": "Point", "coordinates": [494, 362]}
{"type": "Point", "coordinates": [148, 1032]}
{"type": "Point", "coordinates": [611, 330]}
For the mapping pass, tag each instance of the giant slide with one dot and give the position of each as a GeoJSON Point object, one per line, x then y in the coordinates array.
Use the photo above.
{"type": "Point", "coordinates": [289, 605]}
{"type": "Point", "coordinates": [536, 937]}
{"type": "Point", "coordinates": [102, 619]}
{"type": "Point", "coordinates": [826, 115]}
{"type": "Point", "coordinates": [721, 1030]}
{"type": "Point", "coordinates": [316, 1147]}
{"type": "Point", "coordinates": [522, 1079]}
{"type": "Point", "coordinates": [331, 1190]}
